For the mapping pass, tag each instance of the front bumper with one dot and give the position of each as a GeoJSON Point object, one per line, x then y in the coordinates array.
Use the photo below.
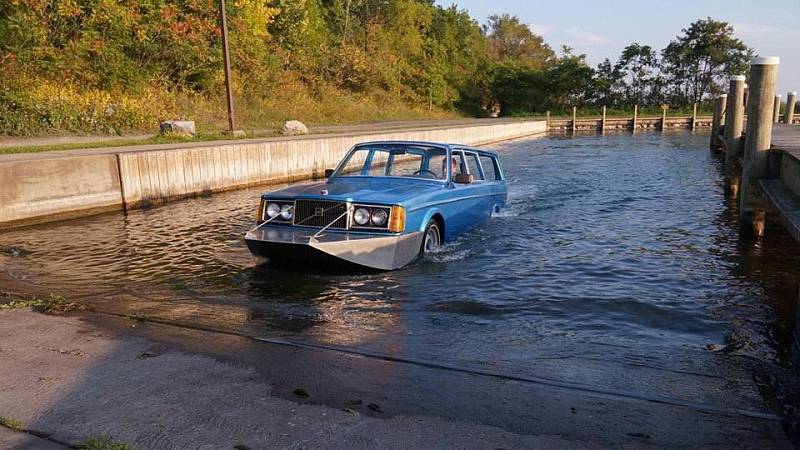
{"type": "Point", "coordinates": [382, 252]}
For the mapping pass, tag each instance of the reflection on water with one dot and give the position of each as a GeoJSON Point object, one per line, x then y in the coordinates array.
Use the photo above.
{"type": "Point", "coordinates": [624, 241]}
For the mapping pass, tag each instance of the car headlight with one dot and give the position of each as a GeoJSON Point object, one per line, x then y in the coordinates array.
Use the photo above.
{"type": "Point", "coordinates": [379, 217]}
{"type": "Point", "coordinates": [286, 212]}
{"type": "Point", "coordinates": [273, 210]}
{"type": "Point", "coordinates": [361, 216]}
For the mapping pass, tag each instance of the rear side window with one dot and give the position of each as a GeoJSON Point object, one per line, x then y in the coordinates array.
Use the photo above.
{"type": "Point", "coordinates": [490, 168]}
{"type": "Point", "coordinates": [472, 163]}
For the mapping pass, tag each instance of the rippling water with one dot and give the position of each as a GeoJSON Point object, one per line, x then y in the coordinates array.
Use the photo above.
{"type": "Point", "coordinates": [608, 242]}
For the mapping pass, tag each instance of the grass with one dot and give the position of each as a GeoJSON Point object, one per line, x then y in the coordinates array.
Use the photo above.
{"type": "Point", "coordinates": [116, 142]}
{"type": "Point", "coordinates": [104, 443]}
{"type": "Point", "coordinates": [55, 304]}
{"type": "Point", "coordinates": [11, 423]}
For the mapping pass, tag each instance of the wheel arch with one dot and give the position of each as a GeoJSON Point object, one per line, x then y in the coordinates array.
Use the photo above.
{"type": "Point", "coordinates": [434, 214]}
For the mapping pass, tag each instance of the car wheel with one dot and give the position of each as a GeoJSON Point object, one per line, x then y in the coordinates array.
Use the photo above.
{"type": "Point", "coordinates": [432, 239]}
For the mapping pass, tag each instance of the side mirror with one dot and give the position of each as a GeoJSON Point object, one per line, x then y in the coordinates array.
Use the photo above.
{"type": "Point", "coordinates": [328, 173]}
{"type": "Point", "coordinates": [463, 178]}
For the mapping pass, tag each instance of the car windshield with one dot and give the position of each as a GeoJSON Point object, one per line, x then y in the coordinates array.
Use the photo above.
{"type": "Point", "coordinates": [395, 160]}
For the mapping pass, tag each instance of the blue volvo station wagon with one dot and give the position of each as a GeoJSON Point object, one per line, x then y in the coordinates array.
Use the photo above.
{"type": "Point", "coordinates": [384, 205]}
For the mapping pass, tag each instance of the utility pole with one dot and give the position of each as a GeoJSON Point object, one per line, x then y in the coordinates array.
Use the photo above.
{"type": "Point", "coordinates": [227, 62]}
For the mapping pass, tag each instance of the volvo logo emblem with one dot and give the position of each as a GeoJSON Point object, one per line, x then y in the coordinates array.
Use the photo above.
{"type": "Point", "coordinates": [323, 192]}
{"type": "Point", "coordinates": [318, 212]}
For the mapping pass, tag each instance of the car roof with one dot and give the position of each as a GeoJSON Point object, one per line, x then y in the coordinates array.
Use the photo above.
{"type": "Point", "coordinates": [432, 144]}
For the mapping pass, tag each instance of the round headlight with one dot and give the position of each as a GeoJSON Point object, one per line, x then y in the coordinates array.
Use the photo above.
{"type": "Point", "coordinates": [286, 212]}
{"type": "Point", "coordinates": [273, 210]}
{"type": "Point", "coordinates": [379, 217]}
{"type": "Point", "coordinates": [361, 216]}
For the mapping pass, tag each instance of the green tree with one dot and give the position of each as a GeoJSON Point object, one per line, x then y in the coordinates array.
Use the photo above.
{"type": "Point", "coordinates": [638, 67]}
{"type": "Point", "coordinates": [568, 80]}
{"type": "Point", "coordinates": [511, 40]}
{"type": "Point", "coordinates": [698, 60]}
{"type": "Point", "coordinates": [607, 85]}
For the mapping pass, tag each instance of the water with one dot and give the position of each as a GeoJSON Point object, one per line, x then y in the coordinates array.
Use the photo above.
{"type": "Point", "coordinates": [612, 247]}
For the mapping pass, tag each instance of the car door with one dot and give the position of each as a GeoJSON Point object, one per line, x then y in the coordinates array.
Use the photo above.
{"type": "Point", "coordinates": [469, 203]}
{"type": "Point", "coordinates": [482, 190]}
{"type": "Point", "coordinates": [493, 174]}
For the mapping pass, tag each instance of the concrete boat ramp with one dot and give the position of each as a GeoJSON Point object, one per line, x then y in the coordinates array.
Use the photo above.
{"type": "Point", "coordinates": [168, 385]}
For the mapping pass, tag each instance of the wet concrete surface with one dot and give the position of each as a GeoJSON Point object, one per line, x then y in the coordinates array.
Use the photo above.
{"type": "Point", "coordinates": [70, 380]}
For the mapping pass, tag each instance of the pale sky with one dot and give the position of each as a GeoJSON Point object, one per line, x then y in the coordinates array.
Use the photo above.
{"type": "Point", "coordinates": [602, 29]}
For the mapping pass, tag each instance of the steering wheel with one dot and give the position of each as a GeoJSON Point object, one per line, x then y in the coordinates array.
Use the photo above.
{"type": "Point", "coordinates": [422, 171]}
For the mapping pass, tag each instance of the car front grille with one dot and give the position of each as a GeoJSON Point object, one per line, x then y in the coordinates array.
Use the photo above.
{"type": "Point", "coordinates": [320, 213]}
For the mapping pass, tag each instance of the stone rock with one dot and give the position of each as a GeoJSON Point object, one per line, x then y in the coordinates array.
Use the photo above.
{"type": "Point", "coordinates": [294, 127]}
{"type": "Point", "coordinates": [179, 127]}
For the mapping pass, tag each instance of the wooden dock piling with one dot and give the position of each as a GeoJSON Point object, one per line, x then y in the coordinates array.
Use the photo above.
{"type": "Point", "coordinates": [788, 115]}
{"type": "Point", "coordinates": [603, 121]}
{"type": "Point", "coordinates": [663, 117]}
{"type": "Point", "coordinates": [694, 116]}
{"type": "Point", "coordinates": [760, 116]}
{"type": "Point", "coordinates": [734, 124]}
{"type": "Point", "coordinates": [574, 119]}
{"type": "Point", "coordinates": [776, 112]}
{"type": "Point", "coordinates": [746, 94]}
{"type": "Point", "coordinates": [547, 119]}
{"type": "Point", "coordinates": [635, 116]}
{"type": "Point", "coordinates": [717, 120]}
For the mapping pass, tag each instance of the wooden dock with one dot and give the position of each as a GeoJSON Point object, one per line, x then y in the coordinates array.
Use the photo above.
{"type": "Point", "coordinates": [595, 124]}
{"type": "Point", "coordinates": [762, 155]}
{"type": "Point", "coordinates": [786, 138]}
{"type": "Point", "coordinates": [781, 188]}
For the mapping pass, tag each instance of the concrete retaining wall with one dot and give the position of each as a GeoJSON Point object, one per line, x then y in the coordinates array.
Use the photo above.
{"type": "Point", "coordinates": [45, 187]}
{"type": "Point", "coordinates": [58, 188]}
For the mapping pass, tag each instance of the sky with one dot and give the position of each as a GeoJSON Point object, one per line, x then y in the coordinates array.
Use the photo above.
{"type": "Point", "coordinates": [602, 29]}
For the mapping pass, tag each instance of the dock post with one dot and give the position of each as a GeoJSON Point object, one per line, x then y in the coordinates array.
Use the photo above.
{"type": "Point", "coordinates": [663, 118]}
{"type": "Point", "coordinates": [716, 122]}
{"type": "Point", "coordinates": [758, 139]}
{"type": "Point", "coordinates": [694, 116]}
{"type": "Point", "coordinates": [734, 124]}
{"type": "Point", "coordinates": [635, 114]}
{"type": "Point", "coordinates": [547, 120]}
{"type": "Point", "coordinates": [574, 119]}
{"type": "Point", "coordinates": [603, 121]}
{"type": "Point", "coordinates": [776, 112]}
{"type": "Point", "coordinates": [788, 115]}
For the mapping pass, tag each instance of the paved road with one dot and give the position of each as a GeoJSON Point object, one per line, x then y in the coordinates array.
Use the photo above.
{"type": "Point", "coordinates": [6, 142]}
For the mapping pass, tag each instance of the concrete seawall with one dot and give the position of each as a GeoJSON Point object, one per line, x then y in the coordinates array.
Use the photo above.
{"type": "Point", "coordinates": [43, 187]}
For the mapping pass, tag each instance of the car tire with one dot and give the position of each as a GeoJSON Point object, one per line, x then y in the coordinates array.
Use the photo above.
{"type": "Point", "coordinates": [431, 239]}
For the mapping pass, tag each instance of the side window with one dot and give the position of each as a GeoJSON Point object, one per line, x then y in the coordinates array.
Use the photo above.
{"type": "Point", "coordinates": [490, 168]}
{"type": "Point", "coordinates": [472, 162]}
{"type": "Point", "coordinates": [458, 163]}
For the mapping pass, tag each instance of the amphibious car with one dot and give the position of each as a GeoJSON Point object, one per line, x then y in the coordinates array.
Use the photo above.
{"type": "Point", "coordinates": [383, 206]}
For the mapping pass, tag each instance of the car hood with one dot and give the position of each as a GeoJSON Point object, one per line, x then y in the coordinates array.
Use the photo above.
{"type": "Point", "coordinates": [380, 190]}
